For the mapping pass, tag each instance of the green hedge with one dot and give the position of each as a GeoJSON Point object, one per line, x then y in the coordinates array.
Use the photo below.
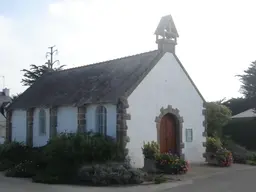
{"type": "Point", "coordinates": [61, 158]}
{"type": "Point", "coordinates": [242, 132]}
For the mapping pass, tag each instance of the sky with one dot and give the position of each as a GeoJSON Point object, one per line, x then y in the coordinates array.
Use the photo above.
{"type": "Point", "coordinates": [217, 38]}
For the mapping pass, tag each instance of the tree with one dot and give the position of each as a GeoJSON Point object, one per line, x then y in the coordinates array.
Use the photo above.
{"type": "Point", "coordinates": [35, 72]}
{"type": "Point", "coordinates": [248, 80]}
{"type": "Point", "coordinates": [217, 115]}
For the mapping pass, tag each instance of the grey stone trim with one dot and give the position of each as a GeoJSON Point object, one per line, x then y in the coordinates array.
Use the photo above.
{"type": "Point", "coordinates": [182, 156]}
{"type": "Point", "coordinates": [204, 144]}
{"type": "Point", "coordinates": [174, 111]}
{"type": "Point", "coordinates": [29, 122]}
{"type": "Point", "coordinates": [126, 116]}
{"type": "Point", "coordinates": [9, 126]}
{"type": "Point", "coordinates": [121, 125]}
{"type": "Point", "coordinates": [204, 112]}
{"type": "Point", "coordinates": [53, 121]}
{"type": "Point", "coordinates": [81, 119]}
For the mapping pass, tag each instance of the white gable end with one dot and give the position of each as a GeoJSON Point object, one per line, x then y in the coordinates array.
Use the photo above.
{"type": "Point", "coordinates": [166, 84]}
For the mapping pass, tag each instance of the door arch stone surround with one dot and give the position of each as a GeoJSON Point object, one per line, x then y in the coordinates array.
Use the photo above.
{"type": "Point", "coordinates": [175, 112]}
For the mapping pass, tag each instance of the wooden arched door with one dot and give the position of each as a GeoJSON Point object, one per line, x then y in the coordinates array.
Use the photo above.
{"type": "Point", "coordinates": [168, 134]}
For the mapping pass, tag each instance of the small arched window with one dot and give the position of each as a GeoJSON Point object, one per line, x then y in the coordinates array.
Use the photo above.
{"type": "Point", "coordinates": [42, 122]}
{"type": "Point", "coordinates": [101, 120]}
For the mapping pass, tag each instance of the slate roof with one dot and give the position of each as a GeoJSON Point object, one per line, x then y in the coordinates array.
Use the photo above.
{"type": "Point", "coordinates": [103, 82]}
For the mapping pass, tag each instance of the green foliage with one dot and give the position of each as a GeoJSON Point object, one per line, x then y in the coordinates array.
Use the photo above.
{"type": "Point", "coordinates": [224, 157]}
{"type": "Point", "coordinates": [250, 162]}
{"type": "Point", "coordinates": [218, 116]}
{"type": "Point", "coordinates": [11, 154]}
{"type": "Point", "coordinates": [35, 72]}
{"type": "Point", "coordinates": [24, 169]}
{"type": "Point", "coordinates": [171, 164]}
{"type": "Point", "coordinates": [242, 132]}
{"type": "Point", "coordinates": [240, 154]}
{"type": "Point", "coordinates": [83, 147]}
{"type": "Point", "coordinates": [159, 179]}
{"type": "Point", "coordinates": [217, 154]}
{"type": "Point", "coordinates": [238, 105]}
{"type": "Point", "coordinates": [60, 159]}
{"type": "Point", "coordinates": [150, 150]}
{"type": "Point", "coordinates": [248, 80]}
{"type": "Point", "coordinates": [103, 175]}
{"type": "Point", "coordinates": [67, 152]}
{"type": "Point", "coordinates": [213, 144]}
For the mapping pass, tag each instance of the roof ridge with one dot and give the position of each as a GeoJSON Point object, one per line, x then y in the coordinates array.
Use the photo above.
{"type": "Point", "coordinates": [102, 62]}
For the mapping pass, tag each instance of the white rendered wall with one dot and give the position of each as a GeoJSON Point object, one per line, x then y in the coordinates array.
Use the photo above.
{"type": "Point", "coordinates": [66, 122]}
{"type": "Point", "coordinates": [166, 84]}
{"type": "Point", "coordinates": [19, 126]}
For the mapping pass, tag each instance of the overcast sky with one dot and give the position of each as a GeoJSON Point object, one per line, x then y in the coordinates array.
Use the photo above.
{"type": "Point", "coordinates": [217, 37]}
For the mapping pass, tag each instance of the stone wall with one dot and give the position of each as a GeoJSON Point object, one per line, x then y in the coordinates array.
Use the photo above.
{"type": "Point", "coordinates": [121, 125]}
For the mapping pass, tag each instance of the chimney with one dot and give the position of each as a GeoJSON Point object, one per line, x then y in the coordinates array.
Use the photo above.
{"type": "Point", "coordinates": [166, 34]}
{"type": "Point", "coordinates": [6, 92]}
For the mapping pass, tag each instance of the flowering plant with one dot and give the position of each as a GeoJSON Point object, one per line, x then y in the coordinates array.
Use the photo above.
{"type": "Point", "coordinates": [224, 157]}
{"type": "Point", "coordinates": [171, 164]}
{"type": "Point", "coordinates": [150, 150]}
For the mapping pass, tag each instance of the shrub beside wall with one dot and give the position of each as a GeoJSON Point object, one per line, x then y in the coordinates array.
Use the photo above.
{"type": "Point", "coordinates": [60, 160]}
{"type": "Point", "coordinates": [242, 131]}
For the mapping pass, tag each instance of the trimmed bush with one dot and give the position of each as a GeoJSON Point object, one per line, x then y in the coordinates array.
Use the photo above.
{"type": "Point", "coordinates": [240, 154]}
{"type": "Point", "coordinates": [171, 164]}
{"type": "Point", "coordinates": [103, 175]}
{"type": "Point", "coordinates": [13, 153]}
{"type": "Point", "coordinates": [59, 161]}
{"type": "Point", "coordinates": [24, 169]}
{"type": "Point", "coordinates": [242, 132]}
{"type": "Point", "coordinates": [67, 152]}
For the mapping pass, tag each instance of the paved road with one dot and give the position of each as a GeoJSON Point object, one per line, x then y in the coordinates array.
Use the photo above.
{"type": "Point", "coordinates": [239, 181]}
{"type": "Point", "coordinates": [234, 181]}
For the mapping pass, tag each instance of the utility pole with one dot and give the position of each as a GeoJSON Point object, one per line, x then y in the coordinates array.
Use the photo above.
{"type": "Point", "coordinates": [50, 54]}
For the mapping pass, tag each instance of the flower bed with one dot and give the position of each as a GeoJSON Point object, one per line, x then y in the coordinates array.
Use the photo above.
{"type": "Point", "coordinates": [171, 164]}
{"type": "Point", "coordinates": [224, 157]}
{"type": "Point", "coordinates": [216, 154]}
{"type": "Point", "coordinates": [165, 163]}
